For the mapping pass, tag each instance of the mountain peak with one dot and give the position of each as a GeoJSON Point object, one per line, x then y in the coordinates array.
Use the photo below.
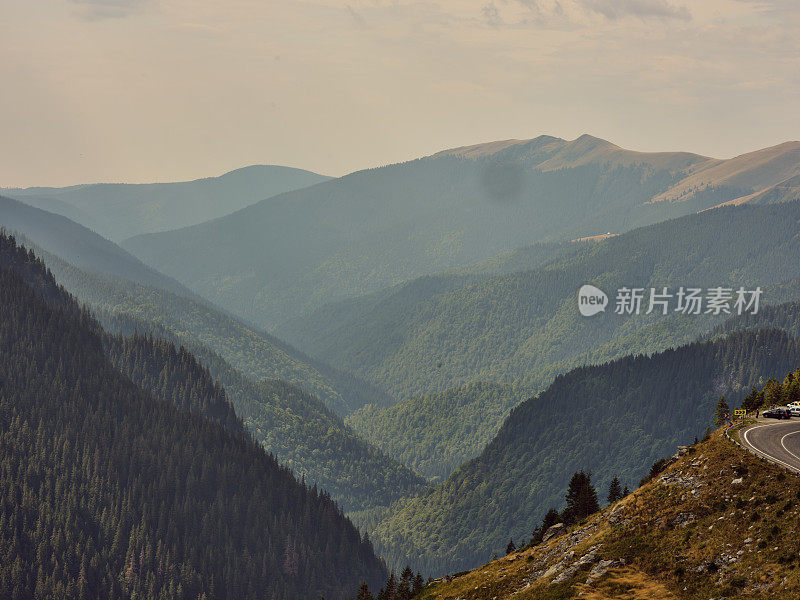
{"type": "Point", "coordinates": [550, 153]}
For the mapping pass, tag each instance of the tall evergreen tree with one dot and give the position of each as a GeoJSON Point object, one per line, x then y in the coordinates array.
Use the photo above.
{"type": "Point", "coordinates": [614, 490]}
{"type": "Point", "coordinates": [418, 585]}
{"type": "Point", "coordinates": [405, 584]}
{"type": "Point", "coordinates": [364, 593]}
{"type": "Point", "coordinates": [722, 409]}
{"type": "Point", "coordinates": [511, 547]}
{"type": "Point", "coordinates": [581, 498]}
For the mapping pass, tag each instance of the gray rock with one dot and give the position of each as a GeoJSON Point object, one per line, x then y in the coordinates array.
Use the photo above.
{"type": "Point", "coordinates": [554, 531]}
{"type": "Point", "coordinates": [589, 557]}
{"type": "Point", "coordinates": [600, 569]}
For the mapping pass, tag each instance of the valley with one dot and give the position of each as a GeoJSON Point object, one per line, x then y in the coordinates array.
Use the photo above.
{"type": "Point", "coordinates": [442, 406]}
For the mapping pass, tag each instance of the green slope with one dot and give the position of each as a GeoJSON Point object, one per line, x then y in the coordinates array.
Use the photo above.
{"type": "Point", "coordinates": [118, 211]}
{"type": "Point", "coordinates": [108, 492]}
{"type": "Point", "coordinates": [296, 427]}
{"type": "Point", "coordinates": [251, 351]}
{"type": "Point", "coordinates": [292, 418]}
{"type": "Point", "coordinates": [104, 275]}
{"type": "Point", "coordinates": [80, 246]}
{"type": "Point", "coordinates": [435, 434]}
{"type": "Point", "coordinates": [286, 256]}
{"type": "Point", "coordinates": [612, 419]}
{"type": "Point", "coordinates": [523, 328]}
{"type": "Point", "coordinates": [291, 422]}
{"type": "Point", "coordinates": [784, 316]}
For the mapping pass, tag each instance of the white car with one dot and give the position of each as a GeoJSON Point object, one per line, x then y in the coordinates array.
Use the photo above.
{"type": "Point", "coordinates": [794, 410]}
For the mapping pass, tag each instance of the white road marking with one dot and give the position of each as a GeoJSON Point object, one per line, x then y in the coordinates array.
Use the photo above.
{"type": "Point", "coordinates": [784, 445]}
{"type": "Point", "coordinates": [766, 454]}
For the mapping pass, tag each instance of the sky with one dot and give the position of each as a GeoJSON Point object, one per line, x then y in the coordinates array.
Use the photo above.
{"type": "Point", "coordinates": [168, 90]}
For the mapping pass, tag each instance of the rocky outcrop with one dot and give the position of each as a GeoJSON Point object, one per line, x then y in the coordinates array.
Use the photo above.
{"type": "Point", "coordinates": [554, 531]}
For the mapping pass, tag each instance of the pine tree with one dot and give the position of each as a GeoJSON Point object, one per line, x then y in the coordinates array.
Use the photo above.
{"type": "Point", "coordinates": [511, 547]}
{"type": "Point", "coordinates": [626, 492]}
{"type": "Point", "coordinates": [364, 593]}
{"type": "Point", "coordinates": [404, 586]}
{"type": "Point", "coordinates": [418, 585]}
{"type": "Point", "coordinates": [614, 491]}
{"type": "Point", "coordinates": [551, 518]}
{"type": "Point", "coordinates": [581, 498]}
{"type": "Point", "coordinates": [721, 411]}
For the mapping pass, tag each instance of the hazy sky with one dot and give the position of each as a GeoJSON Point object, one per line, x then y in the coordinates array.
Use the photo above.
{"type": "Point", "coordinates": [158, 90]}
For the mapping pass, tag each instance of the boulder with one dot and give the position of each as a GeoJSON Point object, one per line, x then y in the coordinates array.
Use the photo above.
{"type": "Point", "coordinates": [554, 531]}
{"type": "Point", "coordinates": [601, 569]}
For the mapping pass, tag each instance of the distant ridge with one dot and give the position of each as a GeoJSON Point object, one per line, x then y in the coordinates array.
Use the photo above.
{"type": "Point", "coordinates": [81, 246]}
{"type": "Point", "coordinates": [548, 153]}
{"type": "Point", "coordinates": [120, 210]}
{"type": "Point", "coordinates": [756, 173]}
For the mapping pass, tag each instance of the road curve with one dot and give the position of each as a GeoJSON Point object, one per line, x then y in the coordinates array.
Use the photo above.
{"type": "Point", "coordinates": [777, 441]}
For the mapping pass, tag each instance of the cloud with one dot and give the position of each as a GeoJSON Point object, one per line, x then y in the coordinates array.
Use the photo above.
{"type": "Point", "coordinates": [97, 10]}
{"type": "Point", "coordinates": [491, 15]}
{"type": "Point", "coordinates": [617, 9]}
{"type": "Point", "coordinates": [357, 16]}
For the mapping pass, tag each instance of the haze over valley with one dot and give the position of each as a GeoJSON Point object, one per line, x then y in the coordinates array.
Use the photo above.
{"type": "Point", "coordinates": [492, 300]}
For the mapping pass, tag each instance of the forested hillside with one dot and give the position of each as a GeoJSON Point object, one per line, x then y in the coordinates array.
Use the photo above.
{"type": "Point", "coordinates": [104, 276]}
{"type": "Point", "coordinates": [107, 492]}
{"type": "Point", "coordinates": [173, 375]}
{"type": "Point", "coordinates": [366, 231]}
{"type": "Point", "coordinates": [784, 316]}
{"type": "Point", "coordinates": [119, 210]}
{"type": "Point", "coordinates": [435, 434]}
{"type": "Point", "coordinates": [290, 422]}
{"type": "Point", "coordinates": [80, 246]}
{"type": "Point", "coordinates": [298, 429]}
{"type": "Point", "coordinates": [612, 419]}
{"type": "Point", "coordinates": [524, 327]}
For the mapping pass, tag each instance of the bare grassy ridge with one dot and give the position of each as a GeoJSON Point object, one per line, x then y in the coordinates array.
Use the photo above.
{"type": "Point", "coordinates": [690, 533]}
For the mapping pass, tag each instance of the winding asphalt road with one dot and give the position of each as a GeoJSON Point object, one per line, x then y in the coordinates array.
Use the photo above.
{"type": "Point", "coordinates": [777, 441]}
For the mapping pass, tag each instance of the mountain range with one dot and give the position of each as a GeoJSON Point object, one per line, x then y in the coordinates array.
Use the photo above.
{"type": "Point", "coordinates": [437, 380]}
{"type": "Point", "coordinates": [283, 257]}
{"type": "Point", "coordinates": [523, 327]}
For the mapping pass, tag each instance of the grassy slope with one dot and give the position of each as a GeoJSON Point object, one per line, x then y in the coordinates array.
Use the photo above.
{"type": "Point", "coordinates": [739, 540]}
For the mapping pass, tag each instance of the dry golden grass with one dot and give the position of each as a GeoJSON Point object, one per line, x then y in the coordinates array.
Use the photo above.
{"type": "Point", "coordinates": [627, 584]}
{"type": "Point", "coordinates": [691, 533]}
{"type": "Point", "coordinates": [757, 170]}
